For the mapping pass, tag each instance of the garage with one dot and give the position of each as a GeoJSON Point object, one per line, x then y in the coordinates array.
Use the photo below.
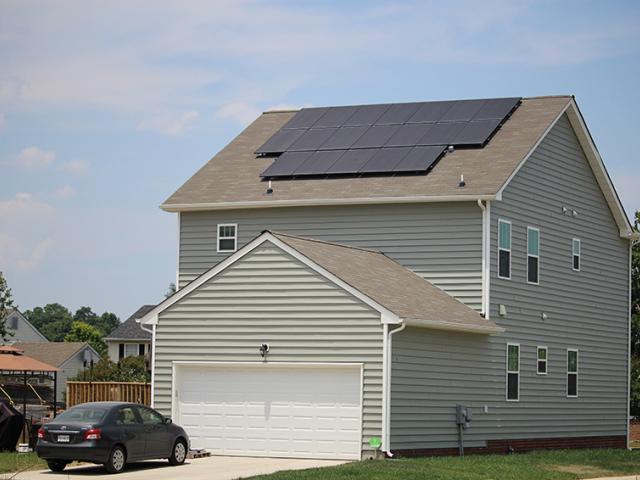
{"type": "Point", "coordinates": [271, 410]}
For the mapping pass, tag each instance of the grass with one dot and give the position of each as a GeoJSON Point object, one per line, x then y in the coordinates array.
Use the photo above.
{"type": "Point", "coordinates": [14, 462]}
{"type": "Point", "coordinates": [553, 465]}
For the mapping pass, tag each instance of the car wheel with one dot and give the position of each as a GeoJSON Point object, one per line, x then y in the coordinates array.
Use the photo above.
{"type": "Point", "coordinates": [179, 453]}
{"type": "Point", "coordinates": [117, 460]}
{"type": "Point", "coordinates": [56, 465]}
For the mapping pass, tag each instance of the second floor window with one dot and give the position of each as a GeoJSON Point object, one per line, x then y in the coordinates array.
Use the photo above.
{"type": "Point", "coordinates": [542, 360]}
{"type": "Point", "coordinates": [504, 249]}
{"type": "Point", "coordinates": [575, 250]}
{"type": "Point", "coordinates": [533, 255]}
{"type": "Point", "coordinates": [227, 237]}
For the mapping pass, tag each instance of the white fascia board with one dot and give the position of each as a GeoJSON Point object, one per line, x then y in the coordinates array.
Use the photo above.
{"type": "Point", "coordinates": [595, 162]}
{"type": "Point", "coordinates": [151, 318]}
{"type": "Point", "coordinates": [456, 327]}
{"type": "Point", "coordinates": [194, 207]}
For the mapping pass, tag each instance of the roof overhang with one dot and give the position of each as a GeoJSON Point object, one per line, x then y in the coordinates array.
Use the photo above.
{"type": "Point", "coordinates": [463, 328]}
{"type": "Point", "coordinates": [595, 162]}
{"type": "Point", "coordinates": [194, 207]}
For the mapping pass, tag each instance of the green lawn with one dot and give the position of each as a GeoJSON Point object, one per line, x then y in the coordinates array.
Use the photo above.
{"type": "Point", "coordinates": [13, 462]}
{"type": "Point", "coordinates": [555, 465]}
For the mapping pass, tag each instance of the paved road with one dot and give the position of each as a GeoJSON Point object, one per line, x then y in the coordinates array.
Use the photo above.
{"type": "Point", "coordinates": [208, 468]}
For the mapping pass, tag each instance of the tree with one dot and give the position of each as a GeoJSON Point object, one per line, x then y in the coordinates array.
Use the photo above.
{"type": "Point", "coordinates": [635, 325]}
{"type": "Point", "coordinates": [172, 289]}
{"type": "Point", "coordinates": [6, 304]}
{"type": "Point", "coordinates": [53, 321]}
{"type": "Point", "coordinates": [129, 369]}
{"type": "Point", "coordinates": [83, 332]}
{"type": "Point", "coordinates": [106, 323]}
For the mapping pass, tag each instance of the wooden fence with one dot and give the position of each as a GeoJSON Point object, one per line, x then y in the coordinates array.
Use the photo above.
{"type": "Point", "coordinates": [82, 392]}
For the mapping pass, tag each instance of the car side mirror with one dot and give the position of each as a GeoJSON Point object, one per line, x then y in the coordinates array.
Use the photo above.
{"type": "Point", "coordinates": [167, 421]}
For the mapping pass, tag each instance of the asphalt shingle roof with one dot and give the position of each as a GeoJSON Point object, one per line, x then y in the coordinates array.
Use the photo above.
{"type": "Point", "coordinates": [130, 329]}
{"type": "Point", "coordinates": [52, 353]}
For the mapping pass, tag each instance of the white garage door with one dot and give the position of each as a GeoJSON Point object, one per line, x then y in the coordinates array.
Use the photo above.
{"type": "Point", "coordinates": [266, 410]}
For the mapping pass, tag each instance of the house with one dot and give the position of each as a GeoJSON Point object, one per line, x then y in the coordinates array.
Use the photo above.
{"type": "Point", "coordinates": [129, 340]}
{"type": "Point", "coordinates": [353, 274]}
{"type": "Point", "coordinates": [21, 329]}
{"type": "Point", "coordinates": [70, 357]}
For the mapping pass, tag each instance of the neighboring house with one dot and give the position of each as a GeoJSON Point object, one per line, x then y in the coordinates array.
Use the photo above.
{"type": "Point", "coordinates": [70, 357]}
{"type": "Point", "coordinates": [129, 339]}
{"type": "Point", "coordinates": [304, 341]}
{"type": "Point", "coordinates": [21, 329]}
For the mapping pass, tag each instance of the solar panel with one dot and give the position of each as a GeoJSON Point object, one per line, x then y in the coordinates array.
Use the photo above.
{"type": "Point", "coordinates": [366, 115]}
{"type": "Point", "coordinates": [352, 161]}
{"type": "Point", "coordinates": [306, 117]}
{"type": "Point", "coordinates": [376, 136]}
{"type": "Point", "coordinates": [335, 117]}
{"type": "Point", "coordinates": [319, 162]}
{"type": "Point", "coordinates": [398, 113]}
{"type": "Point", "coordinates": [343, 138]}
{"type": "Point", "coordinates": [442, 133]}
{"type": "Point", "coordinates": [476, 132]}
{"type": "Point", "coordinates": [496, 108]}
{"type": "Point", "coordinates": [431, 112]}
{"type": "Point", "coordinates": [286, 164]}
{"type": "Point", "coordinates": [385, 159]}
{"type": "Point", "coordinates": [402, 137]}
{"type": "Point", "coordinates": [409, 134]}
{"type": "Point", "coordinates": [462, 111]}
{"type": "Point", "coordinates": [420, 159]}
{"type": "Point", "coordinates": [312, 139]}
{"type": "Point", "coordinates": [280, 141]}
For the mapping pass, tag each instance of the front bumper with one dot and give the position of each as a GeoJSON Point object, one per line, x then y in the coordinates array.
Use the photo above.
{"type": "Point", "coordinates": [92, 452]}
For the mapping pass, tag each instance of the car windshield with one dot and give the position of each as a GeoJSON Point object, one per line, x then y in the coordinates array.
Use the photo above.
{"type": "Point", "coordinates": [84, 414]}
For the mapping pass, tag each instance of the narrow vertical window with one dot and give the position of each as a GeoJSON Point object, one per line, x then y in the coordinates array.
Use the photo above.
{"type": "Point", "coordinates": [504, 249]}
{"type": "Point", "coordinates": [141, 349]}
{"type": "Point", "coordinates": [575, 247]}
{"type": "Point", "coordinates": [572, 373]}
{"type": "Point", "coordinates": [513, 372]}
{"type": "Point", "coordinates": [533, 255]}
{"type": "Point", "coordinates": [542, 360]}
{"type": "Point", "coordinates": [227, 237]}
{"type": "Point", "coordinates": [120, 351]}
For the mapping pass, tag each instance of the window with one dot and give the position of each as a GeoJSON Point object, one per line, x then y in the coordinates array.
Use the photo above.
{"type": "Point", "coordinates": [149, 417]}
{"type": "Point", "coordinates": [227, 237]}
{"type": "Point", "coordinates": [513, 372]}
{"type": "Point", "coordinates": [126, 416]}
{"type": "Point", "coordinates": [542, 360]}
{"type": "Point", "coordinates": [504, 249]}
{"type": "Point", "coordinates": [575, 250]}
{"type": "Point", "coordinates": [572, 373]}
{"type": "Point", "coordinates": [141, 349]}
{"type": "Point", "coordinates": [533, 255]}
{"type": "Point", "coordinates": [130, 349]}
{"type": "Point", "coordinates": [120, 351]}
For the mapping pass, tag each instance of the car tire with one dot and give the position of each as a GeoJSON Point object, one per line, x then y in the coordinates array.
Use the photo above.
{"type": "Point", "coordinates": [56, 465]}
{"type": "Point", "coordinates": [117, 460]}
{"type": "Point", "coordinates": [178, 452]}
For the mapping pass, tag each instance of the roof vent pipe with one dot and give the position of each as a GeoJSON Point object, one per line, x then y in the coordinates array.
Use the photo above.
{"type": "Point", "coordinates": [462, 183]}
{"type": "Point", "coordinates": [269, 189]}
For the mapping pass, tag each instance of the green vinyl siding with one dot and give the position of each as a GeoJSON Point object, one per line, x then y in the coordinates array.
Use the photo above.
{"type": "Point", "coordinates": [268, 296]}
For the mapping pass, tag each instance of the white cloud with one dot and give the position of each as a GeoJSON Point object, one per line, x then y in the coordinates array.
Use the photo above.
{"type": "Point", "coordinates": [25, 227]}
{"type": "Point", "coordinates": [168, 124]}
{"type": "Point", "coordinates": [65, 192]}
{"type": "Point", "coordinates": [240, 112]}
{"type": "Point", "coordinates": [34, 158]}
{"type": "Point", "coordinates": [76, 167]}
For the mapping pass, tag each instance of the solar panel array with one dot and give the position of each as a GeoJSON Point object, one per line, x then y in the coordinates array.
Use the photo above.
{"type": "Point", "coordinates": [392, 138]}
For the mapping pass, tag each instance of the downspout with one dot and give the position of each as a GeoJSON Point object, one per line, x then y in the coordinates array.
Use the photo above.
{"type": "Point", "coordinates": [631, 243]}
{"type": "Point", "coordinates": [386, 380]}
{"type": "Point", "coordinates": [486, 251]}
{"type": "Point", "coordinates": [152, 359]}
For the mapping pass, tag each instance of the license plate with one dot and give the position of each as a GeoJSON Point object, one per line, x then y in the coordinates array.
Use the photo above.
{"type": "Point", "coordinates": [63, 438]}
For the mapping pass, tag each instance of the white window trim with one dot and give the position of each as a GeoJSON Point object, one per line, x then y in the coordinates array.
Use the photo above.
{"type": "Point", "coordinates": [506, 393]}
{"type": "Point", "coordinates": [546, 360]}
{"type": "Point", "coordinates": [500, 220]}
{"type": "Point", "coordinates": [573, 373]}
{"type": "Point", "coordinates": [534, 256]}
{"type": "Point", "coordinates": [574, 255]}
{"type": "Point", "coordinates": [234, 238]}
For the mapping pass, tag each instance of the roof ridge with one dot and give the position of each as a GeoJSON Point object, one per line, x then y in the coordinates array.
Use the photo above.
{"type": "Point", "coordinates": [309, 239]}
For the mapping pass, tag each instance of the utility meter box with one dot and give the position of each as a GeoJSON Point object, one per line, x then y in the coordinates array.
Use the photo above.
{"type": "Point", "coordinates": [463, 416]}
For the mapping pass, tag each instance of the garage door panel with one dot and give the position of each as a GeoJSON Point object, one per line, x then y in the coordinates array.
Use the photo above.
{"type": "Point", "coordinates": [307, 411]}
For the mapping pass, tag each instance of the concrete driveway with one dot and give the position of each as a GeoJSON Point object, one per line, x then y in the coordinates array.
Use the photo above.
{"type": "Point", "coordinates": [207, 468]}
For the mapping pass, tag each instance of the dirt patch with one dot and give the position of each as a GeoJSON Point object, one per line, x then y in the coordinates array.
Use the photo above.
{"type": "Point", "coordinates": [584, 471]}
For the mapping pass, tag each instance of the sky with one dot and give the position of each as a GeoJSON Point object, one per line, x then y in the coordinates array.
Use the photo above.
{"type": "Point", "coordinates": [107, 107]}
